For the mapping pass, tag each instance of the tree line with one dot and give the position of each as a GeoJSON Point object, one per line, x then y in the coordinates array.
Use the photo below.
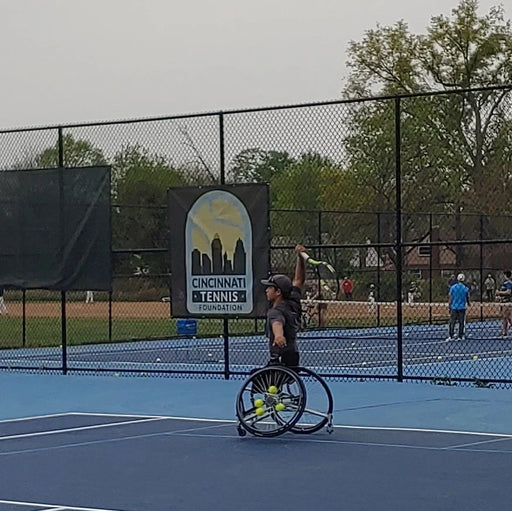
{"type": "Point", "coordinates": [456, 148]}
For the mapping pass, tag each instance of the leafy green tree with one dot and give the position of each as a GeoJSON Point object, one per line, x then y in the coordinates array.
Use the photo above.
{"type": "Point", "coordinates": [298, 188]}
{"type": "Point", "coordinates": [453, 147]}
{"type": "Point", "coordinates": [76, 153]}
{"type": "Point", "coordinates": [140, 212]}
{"type": "Point", "coordinates": [256, 165]}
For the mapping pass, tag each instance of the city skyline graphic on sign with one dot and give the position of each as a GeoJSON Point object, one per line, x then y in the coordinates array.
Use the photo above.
{"type": "Point", "coordinates": [218, 253]}
{"type": "Point", "coordinates": [217, 261]}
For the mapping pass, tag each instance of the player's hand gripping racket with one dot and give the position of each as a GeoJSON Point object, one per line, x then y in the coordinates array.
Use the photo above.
{"type": "Point", "coordinates": [328, 278]}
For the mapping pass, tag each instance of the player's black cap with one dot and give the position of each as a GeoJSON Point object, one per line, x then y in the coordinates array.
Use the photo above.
{"type": "Point", "coordinates": [282, 282]}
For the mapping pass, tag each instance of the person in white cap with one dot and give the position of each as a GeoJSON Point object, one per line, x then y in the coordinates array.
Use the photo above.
{"type": "Point", "coordinates": [458, 303]}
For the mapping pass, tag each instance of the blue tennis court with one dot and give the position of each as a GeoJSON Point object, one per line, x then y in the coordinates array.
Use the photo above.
{"type": "Point", "coordinates": [373, 351]}
{"type": "Point", "coordinates": [139, 444]}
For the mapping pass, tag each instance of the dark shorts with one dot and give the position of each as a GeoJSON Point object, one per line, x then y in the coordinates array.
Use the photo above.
{"type": "Point", "coordinates": [286, 357]}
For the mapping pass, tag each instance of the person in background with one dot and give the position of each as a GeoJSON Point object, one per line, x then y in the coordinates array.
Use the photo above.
{"type": "Point", "coordinates": [347, 285]}
{"type": "Point", "coordinates": [458, 303]}
{"type": "Point", "coordinates": [3, 307]}
{"type": "Point", "coordinates": [89, 297]}
{"type": "Point", "coordinates": [490, 288]}
{"type": "Point", "coordinates": [504, 295]}
{"type": "Point", "coordinates": [473, 291]}
{"type": "Point", "coordinates": [413, 293]}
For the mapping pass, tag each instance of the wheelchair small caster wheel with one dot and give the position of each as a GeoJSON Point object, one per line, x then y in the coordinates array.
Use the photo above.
{"type": "Point", "coordinates": [241, 431]}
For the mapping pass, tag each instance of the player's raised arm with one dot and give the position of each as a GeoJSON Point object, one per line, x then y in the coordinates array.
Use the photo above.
{"type": "Point", "coordinates": [300, 268]}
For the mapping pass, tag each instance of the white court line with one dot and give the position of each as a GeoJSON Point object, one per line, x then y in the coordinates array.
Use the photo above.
{"type": "Point", "coordinates": [196, 419]}
{"type": "Point", "coordinates": [234, 421]}
{"type": "Point", "coordinates": [339, 426]}
{"type": "Point", "coordinates": [356, 443]}
{"type": "Point", "coordinates": [81, 428]}
{"type": "Point", "coordinates": [426, 430]}
{"type": "Point", "coordinates": [53, 507]}
{"type": "Point", "coordinates": [33, 417]}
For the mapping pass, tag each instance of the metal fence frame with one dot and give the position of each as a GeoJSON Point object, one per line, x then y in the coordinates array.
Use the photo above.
{"type": "Point", "coordinates": [399, 245]}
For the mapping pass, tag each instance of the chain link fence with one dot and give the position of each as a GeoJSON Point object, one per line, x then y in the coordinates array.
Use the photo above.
{"type": "Point", "coordinates": [400, 194]}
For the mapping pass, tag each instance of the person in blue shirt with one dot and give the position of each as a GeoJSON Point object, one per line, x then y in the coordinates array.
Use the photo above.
{"type": "Point", "coordinates": [504, 295]}
{"type": "Point", "coordinates": [458, 303]}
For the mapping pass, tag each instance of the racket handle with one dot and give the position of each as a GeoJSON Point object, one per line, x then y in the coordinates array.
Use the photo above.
{"type": "Point", "coordinates": [304, 256]}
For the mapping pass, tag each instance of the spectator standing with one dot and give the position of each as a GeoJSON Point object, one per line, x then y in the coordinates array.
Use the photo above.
{"type": "Point", "coordinates": [348, 287]}
{"type": "Point", "coordinates": [473, 290]}
{"type": "Point", "coordinates": [458, 303]}
{"type": "Point", "coordinates": [490, 288]}
{"type": "Point", "coordinates": [89, 297]}
{"type": "Point", "coordinates": [504, 294]}
{"type": "Point", "coordinates": [3, 307]}
{"type": "Point", "coordinates": [413, 293]}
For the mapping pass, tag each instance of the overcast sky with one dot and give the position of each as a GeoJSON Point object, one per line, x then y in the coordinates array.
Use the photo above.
{"type": "Point", "coordinates": [67, 61]}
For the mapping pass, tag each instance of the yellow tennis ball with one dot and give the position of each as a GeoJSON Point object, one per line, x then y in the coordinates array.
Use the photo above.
{"type": "Point", "coordinates": [258, 403]}
{"type": "Point", "coordinates": [272, 389]}
{"type": "Point", "coordinates": [260, 411]}
{"type": "Point", "coordinates": [439, 357]}
{"type": "Point", "coordinates": [475, 357]}
{"type": "Point", "coordinates": [280, 407]}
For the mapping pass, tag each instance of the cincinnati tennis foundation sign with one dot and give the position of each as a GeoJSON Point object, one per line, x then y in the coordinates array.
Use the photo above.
{"type": "Point", "coordinates": [219, 250]}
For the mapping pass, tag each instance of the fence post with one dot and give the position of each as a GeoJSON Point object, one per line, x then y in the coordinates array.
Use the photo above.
{"type": "Point", "coordinates": [430, 268]}
{"type": "Point", "coordinates": [379, 240]}
{"type": "Point", "coordinates": [481, 285]}
{"type": "Point", "coordinates": [225, 321]}
{"type": "Point", "coordinates": [24, 317]}
{"type": "Point", "coordinates": [62, 293]}
{"type": "Point", "coordinates": [398, 241]}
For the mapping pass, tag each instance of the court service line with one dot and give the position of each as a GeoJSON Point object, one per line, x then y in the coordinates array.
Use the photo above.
{"type": "Point", "coordinates": [348, 426]}
{"type": "Point", "coordinates": [426, 430]}
{"type": "Point", "coordinates": [343, 426]}
{"type": "Point", "coordinates": [33, 417]}
{"type": "Point", "coordinates": [53, 507]}
{"type": "Point", "coordinates": [350, 442]}
{"type": "Point", "coordinates": [109, 440]}
{"type": "Point", "coordinates": [81, 428]}
{"type": "Point", "coordinates": [473, 444]}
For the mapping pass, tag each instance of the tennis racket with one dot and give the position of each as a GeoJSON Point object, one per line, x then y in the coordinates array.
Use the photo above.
{"type": "Point", "coordinates": [327, 277]}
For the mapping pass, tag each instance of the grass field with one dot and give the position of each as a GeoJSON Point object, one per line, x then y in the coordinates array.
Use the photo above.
{"type": "Point", "coordinates": [89, 323]}
{"type": "Point", "coordinates": [45, 332]}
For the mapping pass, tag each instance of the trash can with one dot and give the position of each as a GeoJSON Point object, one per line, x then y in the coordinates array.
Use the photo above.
{"type": "Point", "coordinates": [186, 326]}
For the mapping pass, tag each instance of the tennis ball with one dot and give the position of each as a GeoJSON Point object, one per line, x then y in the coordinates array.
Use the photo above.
{"type": "Point", "coordinates": [258, 403]}
{"type": "Point", "coordinates": [260, 411]}
{"type": "Point", "coordinates": [439, 357]}
{"type": "Point", "coordinates": [280, 407]}
{"type": "Point", "coordinates": [116, 374]}
{"type": "Point", "coordinates": [272, 389]}
{"type": "Point", "coordinates": [158, 360]}
{"type": "Point", "coordinates": [475, 357]}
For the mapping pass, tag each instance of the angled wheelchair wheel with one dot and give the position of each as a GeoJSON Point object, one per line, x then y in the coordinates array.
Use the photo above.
{"type": "Point", "coordinates": [270, 402]}
{"type": "Point", "coordinates": [317, 413]}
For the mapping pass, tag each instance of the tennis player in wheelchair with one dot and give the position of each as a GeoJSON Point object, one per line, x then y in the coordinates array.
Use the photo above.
{"type": "Point", "coordinates": [284, 315]}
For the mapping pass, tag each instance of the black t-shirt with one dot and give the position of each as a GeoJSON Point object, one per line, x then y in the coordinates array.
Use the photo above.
{"type": "Point", "coordinates": [288, 312]}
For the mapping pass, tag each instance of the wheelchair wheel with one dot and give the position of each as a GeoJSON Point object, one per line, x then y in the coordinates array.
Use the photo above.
{"type": "Point", "coordinates": [270, 401]}
{"type": "Point", "coordinates": [319, 404]}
